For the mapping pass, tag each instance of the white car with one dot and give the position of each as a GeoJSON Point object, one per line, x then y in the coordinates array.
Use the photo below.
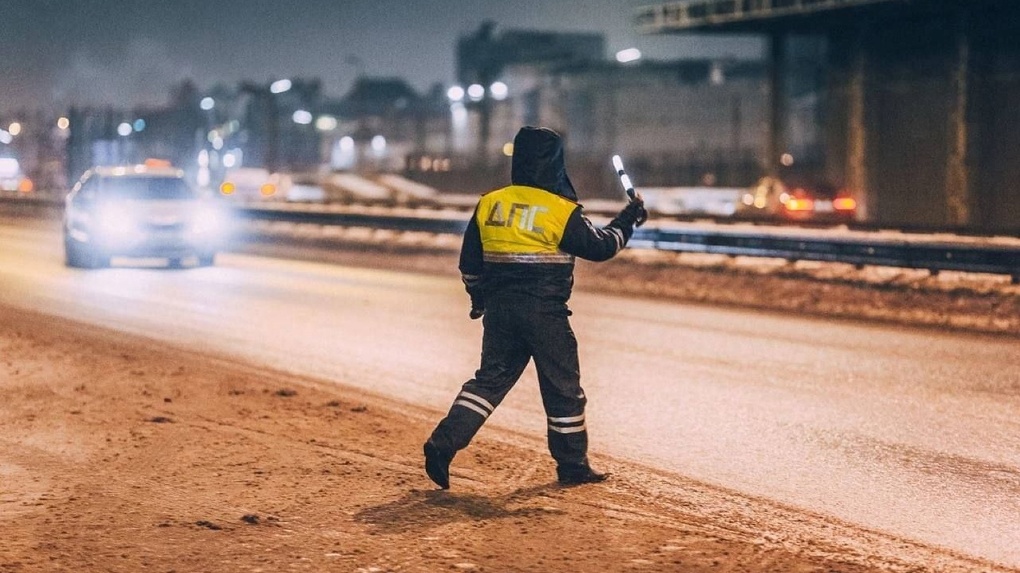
{"type": "Point", "coordinates": [250, 184]}
{"type": "Point", "coordinates": [139, 211]}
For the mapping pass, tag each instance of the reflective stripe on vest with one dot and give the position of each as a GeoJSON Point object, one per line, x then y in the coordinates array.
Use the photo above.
{"type": "Point", "coordinates": [520, 224]}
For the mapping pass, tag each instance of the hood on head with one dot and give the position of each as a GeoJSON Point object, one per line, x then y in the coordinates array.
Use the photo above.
{"type": "Point", "coordinates": [538, 162]}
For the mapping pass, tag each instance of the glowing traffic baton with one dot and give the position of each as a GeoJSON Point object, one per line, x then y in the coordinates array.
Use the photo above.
{"type": "Point", "coordinates": [629, 187]}
{"type": "Point", "coordinates": [624, 178]}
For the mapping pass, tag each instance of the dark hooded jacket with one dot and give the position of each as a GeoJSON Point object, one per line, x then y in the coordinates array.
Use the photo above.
{"type": "Point", "coordinates": [538, 162]}
{"type": "Point", "coordinates": [500, 261]}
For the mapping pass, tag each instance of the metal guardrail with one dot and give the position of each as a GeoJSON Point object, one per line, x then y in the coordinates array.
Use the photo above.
{"type": "Point", "coordinates": [915, 254]}
{"type": "Point", "coordinates": [931, 256]}
{"type": "Point", "coordinates": [934, 256]}
{"type": "Point", "coordinates": [691, 14]}
{"type": "Point", "coordinates": [385, 221]}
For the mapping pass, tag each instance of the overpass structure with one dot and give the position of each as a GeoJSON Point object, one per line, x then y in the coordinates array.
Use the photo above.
{"type": "Point", "coordinates": [921, 101]}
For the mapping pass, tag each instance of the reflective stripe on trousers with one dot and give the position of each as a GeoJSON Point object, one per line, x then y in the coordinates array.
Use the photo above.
{"type": "Point", "coordinates": [515, 332]}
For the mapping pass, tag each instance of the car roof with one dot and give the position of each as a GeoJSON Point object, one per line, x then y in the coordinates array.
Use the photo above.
{"type": "Point", "coordinates": [135, 170]}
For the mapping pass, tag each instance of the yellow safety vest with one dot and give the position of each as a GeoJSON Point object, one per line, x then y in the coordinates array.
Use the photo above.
{"type": "Point", "coordinates": [521, 224]}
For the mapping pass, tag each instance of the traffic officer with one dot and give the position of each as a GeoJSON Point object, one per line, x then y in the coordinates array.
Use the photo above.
{"type": "Point", "coordinates": [517, 264]}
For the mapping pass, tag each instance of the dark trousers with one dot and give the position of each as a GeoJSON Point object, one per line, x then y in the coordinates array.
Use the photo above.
{"type": "Point", "coordinates": [516, 331]}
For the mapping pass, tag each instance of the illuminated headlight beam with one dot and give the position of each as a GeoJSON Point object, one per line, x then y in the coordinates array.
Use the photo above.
{"type": "Point", "coordinates": [209, 222]}
{"type": "Point", "coordinates": [117, 223]}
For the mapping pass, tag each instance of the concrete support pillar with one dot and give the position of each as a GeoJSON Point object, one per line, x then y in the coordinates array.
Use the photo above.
{"type": "Point", "coordinates": [958, 192]}
{"type": "Point", "coordinates": [856, 164]}
{"type": "Point", "coordinates": [775, 146]}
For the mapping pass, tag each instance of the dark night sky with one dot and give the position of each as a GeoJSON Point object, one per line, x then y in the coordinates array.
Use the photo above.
{"type": "Point", "coordinates": [128, 52]}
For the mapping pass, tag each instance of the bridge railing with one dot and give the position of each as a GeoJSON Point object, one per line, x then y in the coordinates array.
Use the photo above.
{"type": "Point", "coordinates": [697, 13]}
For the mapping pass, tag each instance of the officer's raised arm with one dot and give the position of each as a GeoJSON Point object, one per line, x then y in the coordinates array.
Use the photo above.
{"type": "Point", "coordinates": [583, 239]}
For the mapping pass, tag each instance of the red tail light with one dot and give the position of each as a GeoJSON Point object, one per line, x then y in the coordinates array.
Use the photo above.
{"type": "Point", "coordinates": [844, 204]}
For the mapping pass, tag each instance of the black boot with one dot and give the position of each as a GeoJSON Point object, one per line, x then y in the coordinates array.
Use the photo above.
{"type": "Point", "coordinates": [437, 465]}
{"type": "Point", "coordinates": [576, 474]}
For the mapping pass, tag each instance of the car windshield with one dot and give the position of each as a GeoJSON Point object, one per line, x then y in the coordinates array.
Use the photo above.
{"type": "Point", "coordinates": [145, 188]}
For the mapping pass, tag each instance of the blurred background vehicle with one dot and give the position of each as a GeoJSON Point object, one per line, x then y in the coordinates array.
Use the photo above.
{"type": "Point", "coordinates": [304, 187]}
{"type": "Point", "coordinates": [248, 184]}
{"type": "Point", "coordinates": [807, 201]}
{"type": "Point", "coordinates": [819, 202]}
{"type": "Point", "coordinates": [764, 200]}
{"type": "Point", "coordinates": [139, 211]}
{"type": "Point", "coordinates": [346, 187]}
{"type": "Point", "coordinates": [11, 177]}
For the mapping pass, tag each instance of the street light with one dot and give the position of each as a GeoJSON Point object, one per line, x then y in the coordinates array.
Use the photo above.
{"type": "Point", "coordinates": [326, 123]}
{"type": "Point", "coordinates": [499, 91]}
{"type": "Point", "coordinates": [280, 86]}
{"type": "Point", "coordinates": [455, 93]}
{"type": "Point", "coordinates": [231, 158]}
{"type": "Point", "coordinates": [628, 55]}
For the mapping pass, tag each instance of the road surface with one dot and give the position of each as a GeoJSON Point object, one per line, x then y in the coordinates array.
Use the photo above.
{"type": "Point", "coordinates": [911, 432]}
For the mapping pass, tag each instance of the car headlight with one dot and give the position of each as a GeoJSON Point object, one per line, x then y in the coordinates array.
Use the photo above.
{"type": "Point", "coordinates": [208, 221]}
{"type": "Point", "coordinates": [116, 222]}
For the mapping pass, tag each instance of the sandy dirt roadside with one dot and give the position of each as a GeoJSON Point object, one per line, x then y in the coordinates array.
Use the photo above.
{"type": "Point", "coordinates": [119, 453]}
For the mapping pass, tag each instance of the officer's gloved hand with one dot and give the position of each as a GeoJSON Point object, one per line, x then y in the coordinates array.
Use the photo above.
{"type": "Point", "coordinates": [477, 307]}
{"type": "Point", "coordinates": [634, 214]}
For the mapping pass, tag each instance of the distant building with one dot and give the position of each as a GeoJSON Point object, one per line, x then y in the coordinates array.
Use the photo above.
{"type": "Point", "coordinates": [33, 155]}
{"type": "Point", "coordinates": [482, 56]}
{"type": "Point", "coordinates": [277, 126]}
{"type": "Point", "coordinates": [121, 137]}
{"type": "Point", "coordinates": [654, 108]}
{"type": "Point", "coordinates": [205, 133]}
{"type": "Point", "coordinates": [484, 61]}
{"type": "Point", "coordinates": [681, 122]}
{"type": "Point", "coordinates": [380, 122]}
{"type": "Point", "coordinates": [678, 123]}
